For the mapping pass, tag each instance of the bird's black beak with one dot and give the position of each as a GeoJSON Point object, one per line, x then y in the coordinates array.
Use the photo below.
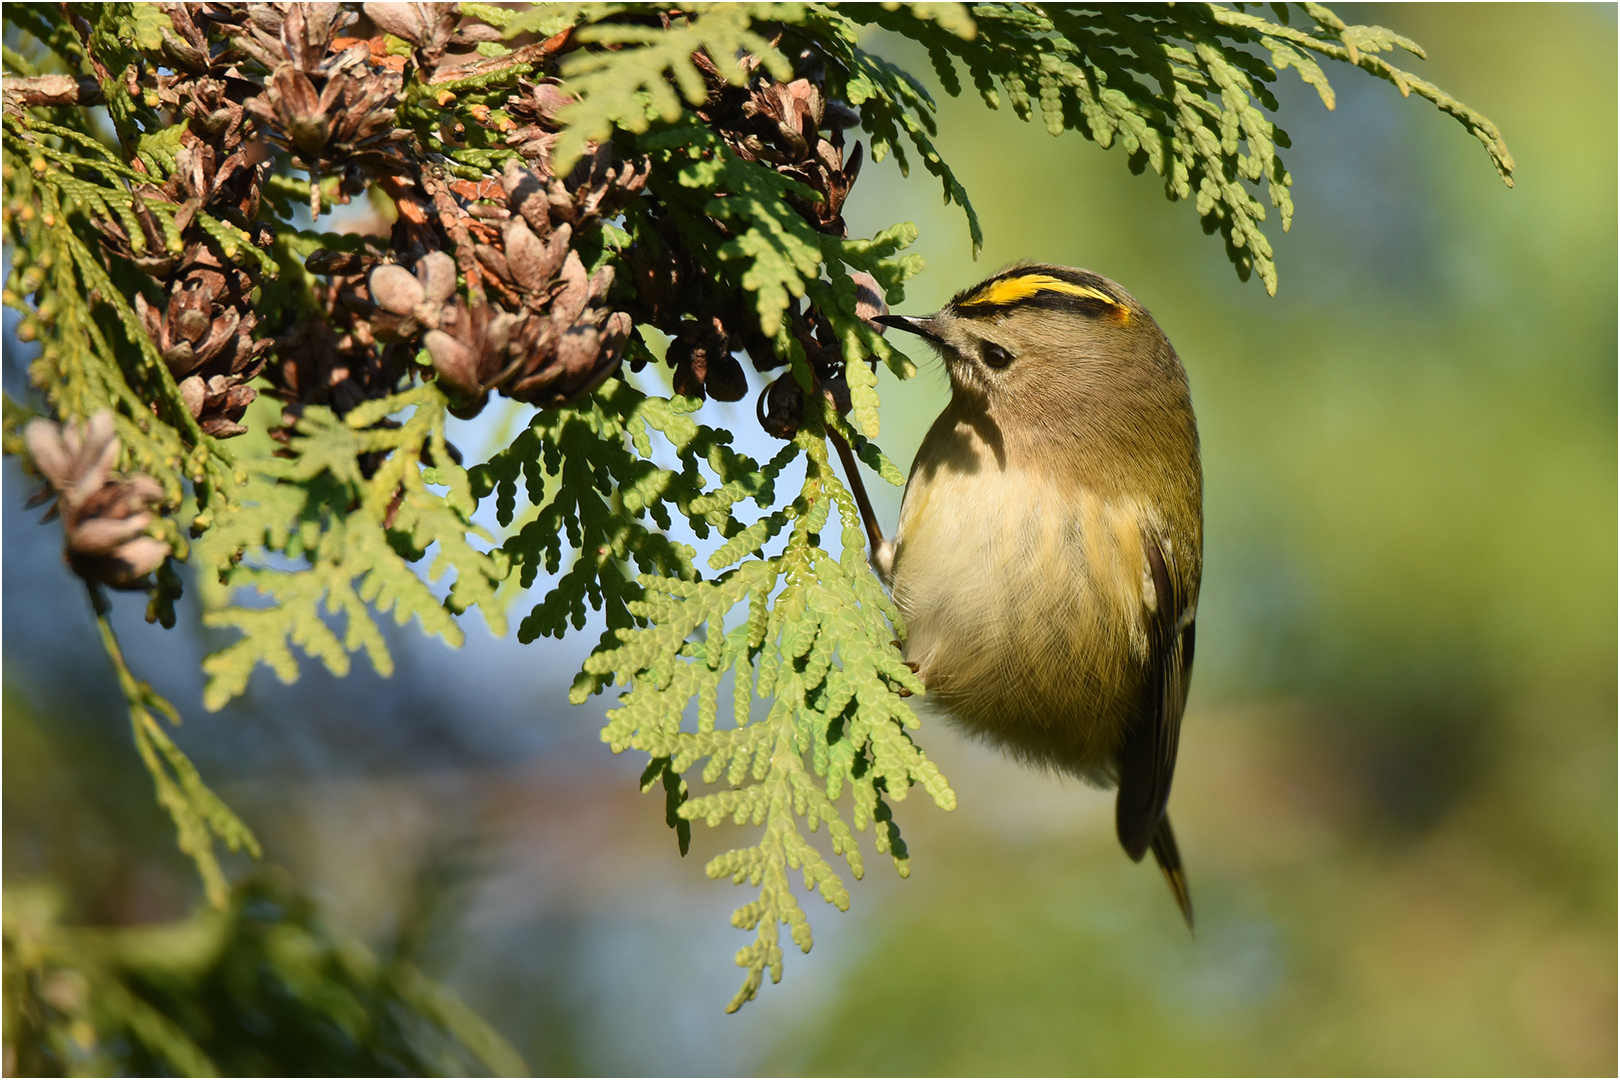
{"type": "Point", "coordinates": [909, 323]}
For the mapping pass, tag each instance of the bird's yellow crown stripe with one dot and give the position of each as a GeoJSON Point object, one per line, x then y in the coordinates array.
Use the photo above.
{"type": "Point", "coordinates": [1012, 290]}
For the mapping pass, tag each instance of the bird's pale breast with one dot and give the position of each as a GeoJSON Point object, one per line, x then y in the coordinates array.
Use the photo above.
{"type": "Point", "coordinates": [1023, 601]}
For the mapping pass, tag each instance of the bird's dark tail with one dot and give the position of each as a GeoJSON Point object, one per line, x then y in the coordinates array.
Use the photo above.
{"type": "Point", "coordinates": [1169, 859]}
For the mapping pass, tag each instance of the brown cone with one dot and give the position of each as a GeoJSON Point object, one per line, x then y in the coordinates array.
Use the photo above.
{"type": "Point", "coordinates": [104, 513]}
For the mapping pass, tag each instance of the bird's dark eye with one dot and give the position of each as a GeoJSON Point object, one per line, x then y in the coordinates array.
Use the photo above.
{"type": "Point", "coordinates": [995, 356]}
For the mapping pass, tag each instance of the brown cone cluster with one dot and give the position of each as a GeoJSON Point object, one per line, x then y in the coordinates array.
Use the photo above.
{"type": "Point", "coordinates": [104, 513]}
{"type": "Point", "coordinates": [335, 361]}
{"type": "Point", "coordinates": [326, 106]}
{"type": "Point", "coordinates": [204, 332]}
{"type": "Point", "coordinates": [487, 277]}
{"type": "Point", "coordinates": [516, 311]}
{"type": "Point", "coordinates": [781, 404]}
{"type": "Point", "coordinates": [203, 325]}
{"type": "Point", "coordinates": [536, 325]}
{"type": "Point", "coordinates": [780, 125]}
{"type": "Point", "coordinates": [793, 128]}
{"type": "Point", "coordinates": [325, 100]}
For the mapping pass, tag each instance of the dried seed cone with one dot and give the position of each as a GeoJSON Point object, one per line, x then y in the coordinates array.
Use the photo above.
{"type": "Point", "coordinates": [324, 105]}
{"type": "Point", "coordinates": [534, 110]}
{"type": "Point", "coordinates": [229, 187]}
{"type": "Point", "coordinates": [104, 513]}
{"type": "Point", "coordinates": [204, 333]}
{"type": "Point", "coordinates": [704, 366]}
{"type": "Point", "coordinates": [569, 349]}
{"type": "Point", "coordinates": [546, 333]}
{"type": "Point", "coordinates": [334, 361]}
{"type": "Point", "coordinates": [429, 26]}
{"type": "Point", "coordinates": [410, 302]}
{"type": "Point", "coordinates": [780, 125]}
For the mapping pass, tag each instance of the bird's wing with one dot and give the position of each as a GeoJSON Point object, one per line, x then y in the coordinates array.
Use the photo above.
{"type": "Point", "coordinates": [1147, 760]}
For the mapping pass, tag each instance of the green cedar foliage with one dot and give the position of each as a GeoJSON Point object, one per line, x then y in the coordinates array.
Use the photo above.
{"type": "Point", "coordinates": [1182, 87]}
{"type": "Point", "coordinates": [332, 525]}
{"type": "Point", "coordinates": [357, 533]}
{"type": "Point", "coordinates": [258, 987]}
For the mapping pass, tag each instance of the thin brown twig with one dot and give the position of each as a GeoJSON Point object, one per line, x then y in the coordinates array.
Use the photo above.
{"type": "Point", "coordinates": [874, 535]}
{"type": "Point", "coordinates": [537, 53]}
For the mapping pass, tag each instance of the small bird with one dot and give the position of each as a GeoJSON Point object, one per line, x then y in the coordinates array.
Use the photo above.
{"type": "Point", "coordinates": [1050, 544]}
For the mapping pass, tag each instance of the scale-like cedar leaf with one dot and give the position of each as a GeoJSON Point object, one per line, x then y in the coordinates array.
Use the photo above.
{"type": "Point", "coordinates": [628, 86]}
{"type": "Point", "coordinates": [346, 529]}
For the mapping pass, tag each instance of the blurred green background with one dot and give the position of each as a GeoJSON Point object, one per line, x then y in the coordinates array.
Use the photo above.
{"type": "Point", "coordinates": [1397, 788]}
